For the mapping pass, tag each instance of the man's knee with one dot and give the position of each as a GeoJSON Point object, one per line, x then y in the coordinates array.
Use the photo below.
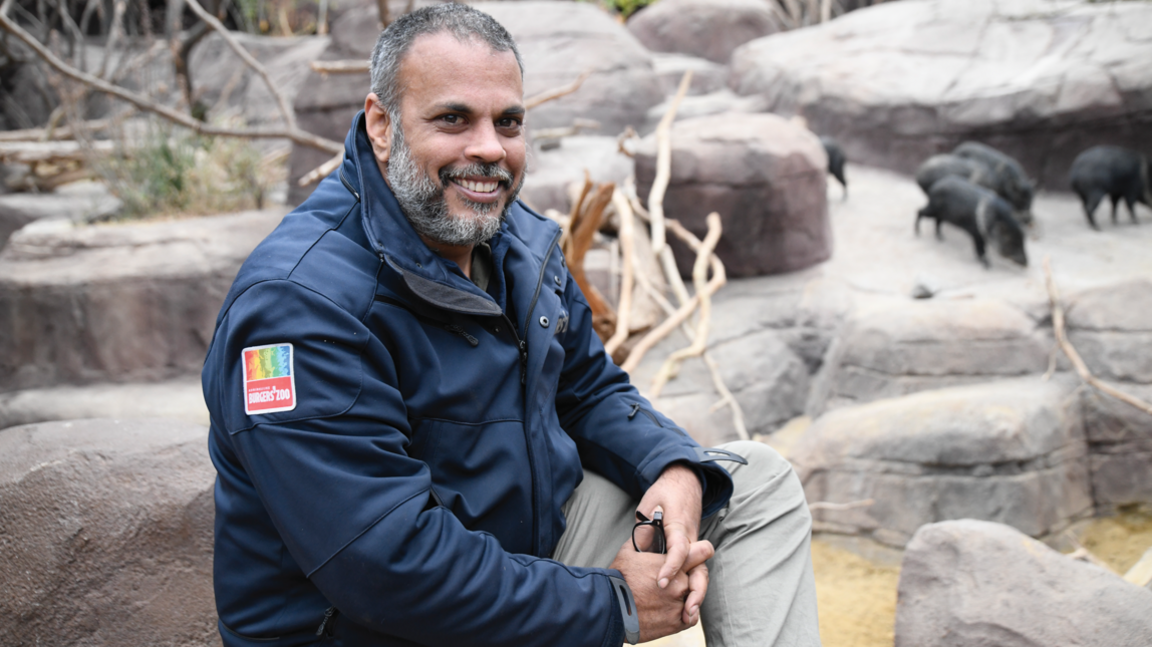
{"type": "Point", "coordinates": [766, 474]}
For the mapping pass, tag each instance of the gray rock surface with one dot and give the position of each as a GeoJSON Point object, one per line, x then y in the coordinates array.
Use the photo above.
{"type": "Point", "coordinates": [124, 303]}
{"type": "Point", "coordinates": [1011, 452]}
{"type": "Point", "coordinates": [1120, 439]}
{"type": "Point", "coordinates": [1111, 328]}
{"type": "Point", "coordinates": [107, 534]}
{"type": "Point", "coordinates": [903, 346]}
{"type": "Point", "coordinates": [710, 29]}
{"type": "Point", "coordinates": [972, 584]}
{"type": "Point", "coordinates": [765, 177]}
{"type": "Point", "coordinates": [80, 202]}
{"type": "Point", "coordinates": [180, 399]}
{"type": "Point", "coordinates": [895, 83]}
{"type": "Point", "coordinates": [222, 81]}
{"type": "Point", "coordinates": [551, 171]}
{"type": "Point", "coordinates": [707, 77]}
{"type": "Point", "coordinates": [719, 102]}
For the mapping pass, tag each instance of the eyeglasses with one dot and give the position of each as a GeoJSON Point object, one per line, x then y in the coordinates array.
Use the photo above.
{"type": "Point", "coordinates": [648, 534]}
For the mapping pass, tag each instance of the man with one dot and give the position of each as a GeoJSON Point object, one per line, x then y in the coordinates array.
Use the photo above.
{"type": "Point", "coordinates": [419, 438]}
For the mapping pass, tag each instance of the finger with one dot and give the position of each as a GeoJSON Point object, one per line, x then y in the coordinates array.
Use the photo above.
{"type": "Point", "coordinates": [697, 589]}
{"type": "Point", "coordinates": [698, 553]}
{"type": "Point", "coordinates": [678, 548]}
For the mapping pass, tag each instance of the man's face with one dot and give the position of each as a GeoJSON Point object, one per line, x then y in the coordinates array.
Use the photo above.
{"type": "Point", "coordinates": [457, 160]}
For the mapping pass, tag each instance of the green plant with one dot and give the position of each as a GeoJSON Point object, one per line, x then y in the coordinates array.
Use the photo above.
{"type": "Point", "coordinates": [625, 8]}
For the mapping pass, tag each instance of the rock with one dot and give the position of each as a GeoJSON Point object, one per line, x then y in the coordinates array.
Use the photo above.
{"type": "Point", "coordinates": [972, 583]}
{"type": "Point", "coordinates": [180, 399]}
{"type": "Point", "coordinates": [904, 346]}
{"type": "Point", "coordinates": [79, 203]}
{"type": "Point", "coordinates": [1040, 81]}
{"type": "Point", "coordinates": [1120, 438]}
{"type": "Point", "coordinates": [1009, 451]}
{"type": "Point", "coordinates": [107, 534]}
{"type": "Point", "coordinates": [221, 80]}
{"type": "Point", "coordinates": [551, 171]}
{"type": "Point", "coordinates": [710, 29]}
{"type": "Point", "coordinates": [713, 103]}
{"type": "Point", "coordinates": [707, 77]}
{"type": "Point", "coordinates": [129, 303]}
{"type": "Point", "coordinates": [763, 175]}
{"type": "Point", "coordinates": [12, 219]}
{"type": "Point", "coordinates": [1111, 329]}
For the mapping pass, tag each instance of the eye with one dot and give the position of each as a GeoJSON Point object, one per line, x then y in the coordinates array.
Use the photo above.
{"type": "Point", "coordinates": [509, 123]}
{"type": "Point", "coordinates": [451, 119]}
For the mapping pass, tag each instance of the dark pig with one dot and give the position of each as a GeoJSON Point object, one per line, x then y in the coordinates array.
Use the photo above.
{"type": "Point", "coordinates": [978, 211]}
{"type": "Point", "coordinates": [939, 166]}
{"type": "Point", "coordinates": [1008, 178]}
{"type": "Point", "coordinates": [836, 161]}
{"type": "Point", "coordinates": [1114, 172]}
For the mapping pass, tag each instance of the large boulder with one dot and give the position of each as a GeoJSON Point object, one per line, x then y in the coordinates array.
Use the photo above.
{"type": "Point", "coordinates": [973, 584]}
{"type": "Point", "coordinates": [1010, 451]}
{"type": "Point", "coordinates": [710, 29]}
{"type": "Point", "coordinates": [900, 81]}
{"type": "Point", "coordinates": [903, 346]}
{"type": "Point", "coordinates": [126, 303]}
{"type": "Point", "coordinates": [558, 41]}
{"type": "Point", "coordinates": [79, 202]}
{"type": "Point", "coordinates": [1111, 328]}
{"type": "Point", "coordinates": [223, 81]}
{"type": "Point", "coordinates": [1120, 438]}
{"type": "Point", "coordinates": [106, 534]}
{"type": "Point", "coordinates": [764, 175]}
{"type": "Point", "coordinates": [551, 171]}
{"type": "Point", "coordinates": [179, 399]}
{"type": "Point", "coordinates": [707, 77]}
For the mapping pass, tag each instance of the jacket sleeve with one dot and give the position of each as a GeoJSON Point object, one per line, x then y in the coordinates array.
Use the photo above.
{"type": "Point", "coordinates": [356, 512]}
{"type": "Point", "coordinates": [617, 431]}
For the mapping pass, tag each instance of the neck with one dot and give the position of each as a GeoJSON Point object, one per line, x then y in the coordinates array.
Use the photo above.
{"type": "Point", "coordinates": [461, 255]}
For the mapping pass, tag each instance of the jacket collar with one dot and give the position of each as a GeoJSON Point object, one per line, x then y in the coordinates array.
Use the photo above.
{"type": "Point", "coordinates": [394, 240]}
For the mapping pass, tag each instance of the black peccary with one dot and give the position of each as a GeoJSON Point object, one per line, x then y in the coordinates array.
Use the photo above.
{"type": "Point", "coordinates": [1114, 172]}
{"type": "Point", "coordinates": [978, 211]}
{"type": "Point", "coordinates": [1008, 177]}
{"type": "Point", "coordinates": [939, 166]}
{"type": "Point", "coordinates": [836, 161]}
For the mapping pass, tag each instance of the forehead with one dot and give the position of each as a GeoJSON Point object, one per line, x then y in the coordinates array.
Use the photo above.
{"type": "Point", "coordinates": [439, 68]}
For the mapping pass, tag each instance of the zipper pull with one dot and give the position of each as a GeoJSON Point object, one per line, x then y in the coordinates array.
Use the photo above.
{"type": "Point", "coordinates": [635, 410]}
{"type": "Point", "coordinates": [523, 362]}
{"type": "Point", "coordinates": [324, 623]}
{"type": "Point", "coordinates": [453, 328]}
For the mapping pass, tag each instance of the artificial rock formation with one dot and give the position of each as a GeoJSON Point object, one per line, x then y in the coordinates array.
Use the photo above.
{"type": "Point", "coordinates": [898, 82]}
{"type": "Point", "coordinates": [106, 534]}
{"type": "Point", "coordinates": [764, 175]}
{"type": "Point", "coordinates": [905, 346]}
{"type": "Point", "coordinates": [710, 29]}
{"type": "Point", "coordinates": [972, 583]}
{"type": "Point", "coordinates": [1111, 328]}
{"type": "Point", "coordinates": [118, 304]}
{"type": "Point", "coordinates": [1120, 439]}
{"type": "Point", "coordinates": [1011, 452]}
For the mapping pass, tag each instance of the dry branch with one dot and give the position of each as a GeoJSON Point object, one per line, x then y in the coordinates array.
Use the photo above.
{"type": "Point", "coordinates": [340, 67]}
{"type": "Point", "coordinates": [249, 60]}
{"type": "Point", "coordinates": [294, 134]}
{"type": "Point", "coordinates": [585, 222]}
{"type": "Point", "coordinates": [37, 152]}
{"type": "Point", "coordinates": [1074, 357]}
{"type": "Point", "coordinates": [659, 186]}
{"type": "Point", "coordinates": [60, 133]}
{"type": "Point", "coordinates": [555, 93]}
{"type": "Point", "coordinates": [825, 505]}
{"type": "Point", "coordinates": [624, 307]}
{"type": "Point", "coordinates": [320, 172]}
{"type": "Point", "coordinates": [699, 282]}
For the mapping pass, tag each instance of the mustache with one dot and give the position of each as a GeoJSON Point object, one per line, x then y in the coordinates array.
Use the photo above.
{"type": "Point", "coordinates": [490, 171]}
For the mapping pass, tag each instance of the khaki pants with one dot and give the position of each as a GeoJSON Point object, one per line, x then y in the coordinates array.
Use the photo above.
{"type": "Point", "coordinates": [761, 590]}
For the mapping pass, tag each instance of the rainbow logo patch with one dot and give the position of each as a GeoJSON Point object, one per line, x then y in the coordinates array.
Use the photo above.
{"type": "Point", "coordinates": [269, 385]}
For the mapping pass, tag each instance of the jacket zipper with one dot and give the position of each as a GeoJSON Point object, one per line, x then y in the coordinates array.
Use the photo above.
{"type": "Point", "coordinates": [331, 611]}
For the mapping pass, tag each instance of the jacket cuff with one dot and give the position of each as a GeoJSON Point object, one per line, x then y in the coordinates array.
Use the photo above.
{"type": "Point", "coordinates": [623, 626]}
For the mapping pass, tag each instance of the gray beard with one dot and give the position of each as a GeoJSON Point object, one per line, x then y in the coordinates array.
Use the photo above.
{"type": "Point", "coordinates": [423, 202]}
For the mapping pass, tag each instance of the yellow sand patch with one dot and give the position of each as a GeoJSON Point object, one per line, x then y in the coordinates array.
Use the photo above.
{"type": "Point", "coordinates": [1119, 541]}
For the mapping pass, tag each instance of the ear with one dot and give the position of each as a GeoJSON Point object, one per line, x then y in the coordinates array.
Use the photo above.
{"type": "Point", "coordinates": [379, 126]}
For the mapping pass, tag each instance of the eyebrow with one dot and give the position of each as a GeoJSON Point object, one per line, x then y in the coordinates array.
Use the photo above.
{"type": "Point", "coordinates": [463, 108]}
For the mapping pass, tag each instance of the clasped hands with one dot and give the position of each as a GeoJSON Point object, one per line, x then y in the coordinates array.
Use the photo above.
{"type": "Point", "coordinates": [669, 588]}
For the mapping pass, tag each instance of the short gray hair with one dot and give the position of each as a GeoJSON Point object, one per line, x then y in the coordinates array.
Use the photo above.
{"type": "Point", "coordinates": [462, 21]}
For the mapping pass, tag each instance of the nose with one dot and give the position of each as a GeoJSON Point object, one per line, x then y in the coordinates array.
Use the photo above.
{"type": "Point", "coordinates": [485, 145]}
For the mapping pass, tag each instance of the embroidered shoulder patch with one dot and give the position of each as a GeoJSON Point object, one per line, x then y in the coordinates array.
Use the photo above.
{"type": "Point", "coordinates": [269, 385]}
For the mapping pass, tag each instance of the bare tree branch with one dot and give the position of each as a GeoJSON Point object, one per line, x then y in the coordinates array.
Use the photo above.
{"type": "Point", "coordinates": [339, 67]}
{"type": "Point", "coordinates": [1074, 357]}
{"type": "Point", "coordinates": [294, 134]}
{"type": "Point", "coordinates": [320, 172]}
{"type": "Point", "coordinates": [624, 307]}
{"type": "Point", "coordinates": [281, 101]}
{"type": "Point", "coordinates": [555, 93]}
{"type": "Point", "coordinates": [659, 186]}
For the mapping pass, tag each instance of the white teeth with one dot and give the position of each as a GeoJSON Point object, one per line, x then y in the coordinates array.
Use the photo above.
{"type": "Point", "coordinates": [479, 187]}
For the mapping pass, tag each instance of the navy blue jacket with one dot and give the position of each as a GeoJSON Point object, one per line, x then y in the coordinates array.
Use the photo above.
{"type": "Point", "coordinates": [413, 492]}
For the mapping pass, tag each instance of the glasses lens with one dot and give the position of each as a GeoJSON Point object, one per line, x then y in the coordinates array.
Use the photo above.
{"type": "Point", "coordinates": [648, 538]}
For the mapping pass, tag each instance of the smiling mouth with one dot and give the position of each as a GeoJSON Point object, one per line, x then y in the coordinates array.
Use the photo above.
{"type": "Point", "coordinates": [478, 186]}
